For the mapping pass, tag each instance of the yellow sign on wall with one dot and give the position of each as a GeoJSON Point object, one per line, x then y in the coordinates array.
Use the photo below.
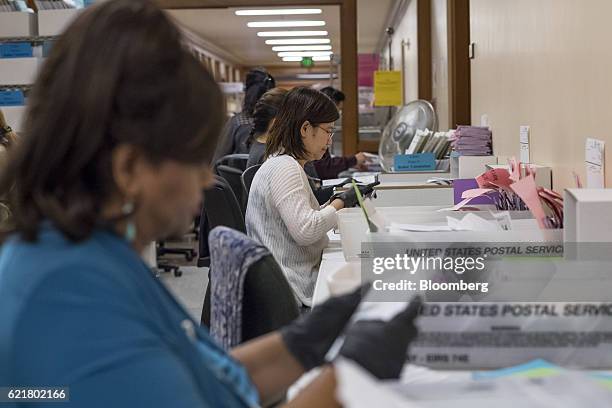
{"type": "Point", "coordinates": [387, 88]}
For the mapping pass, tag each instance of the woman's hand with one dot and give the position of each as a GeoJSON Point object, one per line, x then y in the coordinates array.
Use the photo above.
{"type": "Point", "coordinates": [312, 334]}
{"type": "Point", "coordinates": [380, 347]}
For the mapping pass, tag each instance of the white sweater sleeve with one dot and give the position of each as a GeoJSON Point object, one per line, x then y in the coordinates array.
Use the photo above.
{"type": "Point", "coordinates": [291, 196]}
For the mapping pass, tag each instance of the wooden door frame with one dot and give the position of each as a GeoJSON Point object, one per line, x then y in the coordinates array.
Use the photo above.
{"type": "Point", "coordinates": [459, 82]}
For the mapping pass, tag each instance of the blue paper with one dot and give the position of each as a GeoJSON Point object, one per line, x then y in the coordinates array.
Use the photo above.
{"type": "Point", "coordinates": [414, 162]}
{"type": "Point", "coordinates": [522, 369]}
{"type": "Point", "coordinates": [12, 98]}
{"type": "Point", "coordinates": [16, 50]}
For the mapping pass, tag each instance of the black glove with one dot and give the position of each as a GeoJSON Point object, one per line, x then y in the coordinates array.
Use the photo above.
{"type": "Point", "coordinates": [380, 347]}
{"type": "Point", "coordinates": [309, 337]}
{"type": "Point", "coordinates": [349, 197]}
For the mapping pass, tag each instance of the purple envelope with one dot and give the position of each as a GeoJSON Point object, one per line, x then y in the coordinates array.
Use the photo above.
{"type": "Point", "coordinates": [461, 185]}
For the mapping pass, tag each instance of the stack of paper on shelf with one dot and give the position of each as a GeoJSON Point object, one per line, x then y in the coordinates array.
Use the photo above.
{"type": "Point", "coordinates": [472, 141]}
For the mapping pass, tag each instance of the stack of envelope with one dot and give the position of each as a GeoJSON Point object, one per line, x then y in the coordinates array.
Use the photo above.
{"type": "Point", "coordinates": [472, 141]}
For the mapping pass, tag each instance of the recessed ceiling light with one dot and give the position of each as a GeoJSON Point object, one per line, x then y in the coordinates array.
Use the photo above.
{"type": "Point", "coordinates": [298, 41]}
{"type": "Point", "coordinates": [304, 53]}
{"type": "Point", "coordinates": [290, 33]}
{"type": "Point", "coordinates": [302, 48]}
{"type": "Point", "coordinates": [276, 12]}
{"type": "Point", "coordinates": [322, 58]}
{"type": "Point", "coordinates": [296, 23]}
{"type": "Point", "coordinates": [292, 59]}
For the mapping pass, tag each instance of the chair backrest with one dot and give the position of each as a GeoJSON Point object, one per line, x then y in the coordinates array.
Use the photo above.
{"type": "Point", "coordinates": [250, 295]}
{"type": "Point", "coordinates": [233, 176]}
{"type": "Point", "coordinates": [220, 207]}
{"type": "Point", "coordinates": [236, 160]}
{"type": "Point", "coordinates": [268, 300]}
{"type": "Point", "coordinates": [247, 178]}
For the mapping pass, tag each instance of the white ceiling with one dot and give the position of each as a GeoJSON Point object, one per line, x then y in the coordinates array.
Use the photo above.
{"type": "Point", "coordinates": [229, 32]}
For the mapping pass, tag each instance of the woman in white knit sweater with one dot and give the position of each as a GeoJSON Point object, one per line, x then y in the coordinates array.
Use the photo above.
{"type": "Point", "coordinates": [282, 212]}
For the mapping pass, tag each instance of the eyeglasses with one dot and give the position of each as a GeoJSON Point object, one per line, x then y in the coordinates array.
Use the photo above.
{"type": "Point", "coordinates": [330, 133]}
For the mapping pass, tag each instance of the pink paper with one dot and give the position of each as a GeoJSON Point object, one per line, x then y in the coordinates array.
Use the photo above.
{"type": "Point", "coordinates": [515, 169]}
{"type": "Point", "coordinates": [475, 192]}
{"type": "Point", "coordinates": [495, 177]}
{"type": "Point", "coordinates": [460, 204]}
{"type": "Point", "coordinates": [468, 195]}
{"type": "Point", "coordinates": [527, 190]}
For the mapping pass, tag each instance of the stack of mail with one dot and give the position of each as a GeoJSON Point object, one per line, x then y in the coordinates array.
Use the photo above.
{"type": "Point", "coordinates": [472, 141]}
{"type": "Point", "coordinates": [427, 141]}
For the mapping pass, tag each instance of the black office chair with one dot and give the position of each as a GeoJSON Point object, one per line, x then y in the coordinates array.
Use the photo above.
{"type": "Point", "coordinates": [268, 302]}
{"type": "Point", "coordinates": [236, 160]}
{"type": "Point", "coordinates": [233, 176]}
{"type": "Point", "coordinates": [230, 167]}
{"type": "Point", "coordinates": [220, 207]}
{"type": "Point", "coordinates": [247, 178]}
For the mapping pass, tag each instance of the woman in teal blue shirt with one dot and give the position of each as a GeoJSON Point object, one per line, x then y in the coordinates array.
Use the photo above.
{"type": "Point", "coordinates": [121, 127]}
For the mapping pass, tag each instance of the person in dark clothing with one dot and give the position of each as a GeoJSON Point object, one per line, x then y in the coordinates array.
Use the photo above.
{"type": "Point", "coordinates": [329, 167]}
{"type": "Point", "coordinates": [263, 114]}
{"type": "Point", "coordinates": [237, 130]}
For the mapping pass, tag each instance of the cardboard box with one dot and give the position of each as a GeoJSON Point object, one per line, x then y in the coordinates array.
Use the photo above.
{"type": "Point", "coordinates": [587, 215]}
{"type": "Point", "coordinates": [14, 116]}
{"type": "Point", "coordinates": [464, 167]}
{"type": "Point", "coordinates": [19, 71]}
{"type": "Point", "coordinates": [18, 24]}
{"type": "Point", "coordinates": [543, 173]}
{"type": "Point", "coordinates": [54, 22]}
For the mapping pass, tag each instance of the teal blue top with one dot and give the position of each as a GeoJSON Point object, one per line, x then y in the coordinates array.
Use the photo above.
{"type": "Point", "coordinates": [92, 317]}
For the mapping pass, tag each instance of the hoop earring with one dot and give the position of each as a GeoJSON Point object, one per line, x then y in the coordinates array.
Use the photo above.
{"type": "Point", "coordinates": [130, 229]}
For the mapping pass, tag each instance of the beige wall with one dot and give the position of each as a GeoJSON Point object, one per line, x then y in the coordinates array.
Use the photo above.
{"type": "Point", "coordinates": [546, 64]}
{"type": "Point", "coordinates": [439, 63]}
{"type": "Point", "coordinates": [407, 31]}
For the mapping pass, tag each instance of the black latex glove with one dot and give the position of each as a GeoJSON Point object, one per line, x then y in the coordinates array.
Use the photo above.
{"type": "Point", "coordinates": [349, 197]}
{"type": "Point", "coordinates": [381, 347]}
{"type": "Point", "coordinates": [323, 194]}
{"type": "Point", "coordinates": [310, 336]}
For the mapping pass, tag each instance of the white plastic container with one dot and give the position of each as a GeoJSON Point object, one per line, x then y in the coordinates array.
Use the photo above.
{"type": "Point", "coordinates": [18, 24]}
{"type": "Point", "coordinates": [54, 22]}
{"type": "Point", "coordinates": [18, 71]}
{"type": "Point", "coordinates": [588, 215]}
{"type": "Point", "coordinates": [463, 167]}
{"type": "Point", "coordinates": [354, 230]}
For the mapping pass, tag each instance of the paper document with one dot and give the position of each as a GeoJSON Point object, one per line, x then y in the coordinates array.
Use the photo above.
{"type": "Point", "coordinates": [562, 388]}
{"type": "Point", "coordinates": [594, 162]}
{"type": "Point", "coordinates": [419, 227]}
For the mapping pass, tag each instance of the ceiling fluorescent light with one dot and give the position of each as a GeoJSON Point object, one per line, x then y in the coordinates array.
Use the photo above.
{"type": "Point", "coordinates": [298, 41]}
{"type": "Point", "coordinates": [304, 53]}
{"type": "Point", "coordinates": [276, 12]}
{"type": "Point", "coordinates": [292, 59]}
{"type": "Point", "coordinates": [301, 23]}
{"type": "Point", "coordinates": [302, 48]}
{"type": "Point", "coordinates": [322, 58]}
{"type": "Point", "coordinates": [290, 33]}
{"type": "Point", "coordinates": [316, 76]}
